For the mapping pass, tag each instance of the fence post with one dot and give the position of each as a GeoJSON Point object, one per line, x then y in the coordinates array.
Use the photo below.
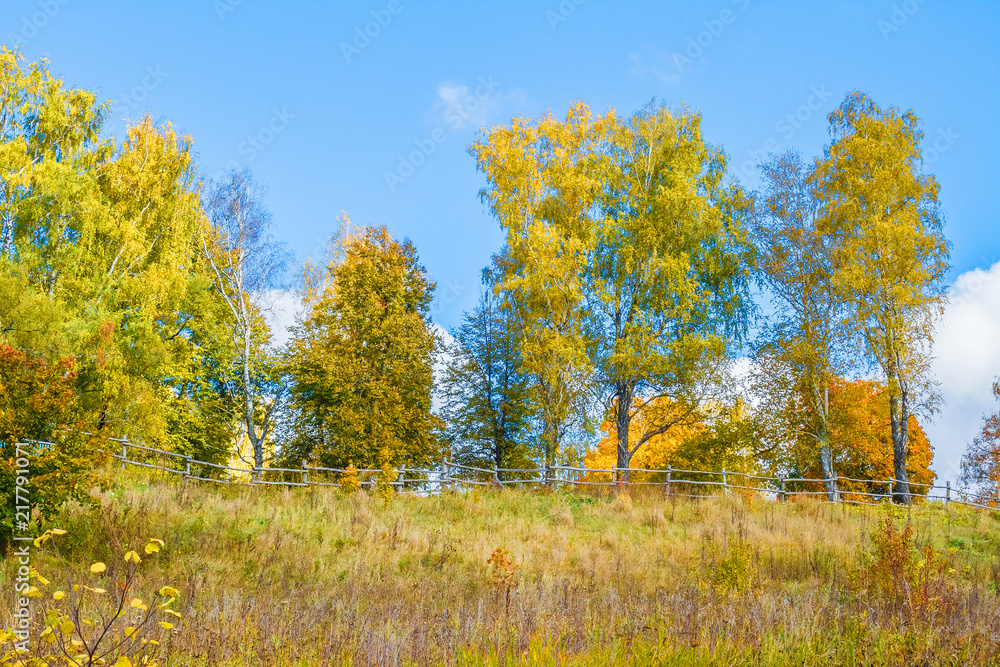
{"type": "Point", "coordinates": [444, 471]}
{"type": "Point", "coordinates": [947, 492]}
{"type": "Point", "coordinates": [725, 483]}
{"type": "Point", "coordinates": [187, 467]}
{"type": "Point", "coordinates": [784, 495]}
{"type": "Point", "coordinates": [836, 489]}
{"type": "Point", "coordinates": [124, 452]}
{"type": "Point", "coordinates": [496, 477]}
{"type": "Point", "coordinates": [669, 472]}
{"type": "Point", "coordinates": [305, 473]}
{"type": "Point", "coordinates": [400, 479]}
{"type": "Point", "coordinates": [890, 490]}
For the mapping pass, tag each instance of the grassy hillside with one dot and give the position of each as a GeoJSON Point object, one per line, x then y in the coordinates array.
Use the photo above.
{"type": "Point", "coordinates": [268, 576]}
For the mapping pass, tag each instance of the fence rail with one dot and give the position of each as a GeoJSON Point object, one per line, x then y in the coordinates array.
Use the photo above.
{"type": "Point", "coordinates": [455, 475]}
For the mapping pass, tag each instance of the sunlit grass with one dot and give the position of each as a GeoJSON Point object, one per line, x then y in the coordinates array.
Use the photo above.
{"type": "Point", "coordinates": [273, 576]}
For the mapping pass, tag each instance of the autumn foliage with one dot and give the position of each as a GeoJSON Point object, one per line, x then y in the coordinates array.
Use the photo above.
{"type": "Point", "coordinates": [981, 463]}
{"type": "Point", "coordinates": [38, 402]}
{"type": "Point", "coordinates": [861, 440]}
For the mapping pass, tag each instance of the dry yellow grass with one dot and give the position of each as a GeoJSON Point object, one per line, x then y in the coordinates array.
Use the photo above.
{"type": "Point", "coordinates": [271, 576]}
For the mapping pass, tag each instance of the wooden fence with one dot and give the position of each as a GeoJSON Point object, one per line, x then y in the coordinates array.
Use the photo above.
{"type": "Point", "coordinates": [671, 482]}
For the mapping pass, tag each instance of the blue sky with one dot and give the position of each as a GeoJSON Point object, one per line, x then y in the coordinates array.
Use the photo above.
{"type": "Point", "coordinates": [334, 104]}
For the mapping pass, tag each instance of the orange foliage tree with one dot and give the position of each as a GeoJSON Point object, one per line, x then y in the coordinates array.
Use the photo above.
{"type": "Point", "coordinates": [659, 449]}
{"type": "Point", "coordinates": [981, 463]}
{"type": "Point", "coordinates": [861, 441]}
{"type": "Point", "coordinates": [38, 402]}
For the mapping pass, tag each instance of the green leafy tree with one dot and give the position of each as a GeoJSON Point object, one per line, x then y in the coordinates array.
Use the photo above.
{"type": "Point", "coordinates": [805, 345]}
{"type": "Point", "coordinates": [890, 255]}
{"type": "Point", "coordinates": [541, 193]}
{"type": "Point", "coordinates": [100, 251]}
{"type": "Point", "coordinates": [247, 263]}
{"type": "Point", "coordinates": [485, 390]}
{"type": "Point", "coordinates": [627, 252]}
{"type": "Point", "coordinates": [361, 361]}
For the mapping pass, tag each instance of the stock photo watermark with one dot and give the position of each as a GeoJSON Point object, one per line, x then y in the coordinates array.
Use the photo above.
{"type": "Point", "coordinates": [22, 547]}
{"type": "Point", "coordinates": [363, 35]}
{"type": "Point", "coordinates": [900, 15]}
{"type": "Point", "coordinates": [562, 13]}
{"type": "Point", "coordinates": [942, 142]}
{"type": "Point", "coordinates": [223, 7]}
{"type": "Point", "coordinates": [698, 44]}
{"type": "Point", "coordinates": [33, 24]}
{"type": "Point", "coordinates": [448, 292]}
{"type": "Point", "coordinates": [257, 142]}
{"type": "Point", "coordinates": [137, 95]}
{"type": "Point", "coordinates": [459, 111]}
{"type": "Point", "coordinates": [786, 127]}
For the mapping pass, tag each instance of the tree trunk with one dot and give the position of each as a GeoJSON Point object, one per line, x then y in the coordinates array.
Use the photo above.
{"type": "Point", "coordinates": [8, 234]}
{"type": "Point", "coordinates": [825, 454]}
{"type": "Point", "coordinates": [899, 419]}
{"type": "Point", "coordinates": [622, 422]}
{"type": "Point", "coordinates": [826, 459]}
{"type": "Point", "coordinates": [256, 442]}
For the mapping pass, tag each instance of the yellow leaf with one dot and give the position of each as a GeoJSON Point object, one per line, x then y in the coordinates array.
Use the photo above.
{"type": "Point", "coordinates": [152, 548]}
{"type": "Point", "coordinates": [132, 557]}
{"type": "Point", "coordinates": [58, 595]}
{"type": "Point", "coordinates": [169, 592]}
{"type": "Point", "coordinates": [129, 631]}
{"type": "Point", "coordinates": [67, 627]}
{"type": "Point", "coordinates": [122, 662]}
{"type": "Point", "coordinates": [97, 568]}
{"type": "Point", "coordinates": [138, 604]}
{"type": "Point", "coordinates": [98, 590]}
{"type": "Point", "coordinates": [58, 531]}
{"type": "Point", "coordinates": [171, 612]}
{"type": "Point", "coordinates": [32, 592]}
{"type": "Point", "coordinates": [166, 626]}
{"type": "Point", "coordinates": [42, 580]}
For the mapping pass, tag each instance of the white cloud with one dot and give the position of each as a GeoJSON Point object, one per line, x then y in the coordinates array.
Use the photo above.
{"type": "Point", "coordinates": [657, 63]}
{"type": "Point", "coordinates": [281, 309]}
{"type": "Point", "coordinates": [967, 351]}
{"type": "Point", "coordinates": [464, 107]}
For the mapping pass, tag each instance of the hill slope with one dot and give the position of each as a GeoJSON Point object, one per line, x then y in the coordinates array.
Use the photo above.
{"type": "Point", "coordinates": [268, 576]}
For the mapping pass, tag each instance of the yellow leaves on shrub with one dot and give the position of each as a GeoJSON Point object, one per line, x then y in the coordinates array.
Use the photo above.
{"type": "Point", "coordinates": [166, 626]}
{"type": "Point", "coordinates": [122, 662]}
{"type": "Point", "coordinates": [33, 592]}
{"type": "Point", "coordinates": [67, 627]}
{"type": "Point", "coordinates": [349, 482]}
{"type": "Point", "coordinates": [132, 557]}
{"type": "Point", "coordinates": [58, 595]}
{"type": "Point", "coordinates": [137, 603]}
{"type": "Point", "coordinates": [97, 568]}
{"type": "Point", "coordinates": [169, 592]}
{"type": "Point", "coordinates": [154, 545]}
